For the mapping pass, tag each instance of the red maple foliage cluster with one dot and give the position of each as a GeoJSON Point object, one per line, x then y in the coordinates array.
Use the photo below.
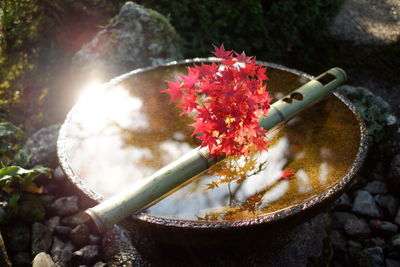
{"type": "Point", "coordinates": [230, 97]}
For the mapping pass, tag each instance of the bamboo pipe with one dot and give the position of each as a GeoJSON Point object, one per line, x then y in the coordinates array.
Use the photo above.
{"type": "Point", "coordinates": [148, 191]}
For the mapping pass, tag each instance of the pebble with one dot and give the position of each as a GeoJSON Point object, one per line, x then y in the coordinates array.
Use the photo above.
{"type": "Point", "coordinates": [376, 187]}
{"type": "Point", "coordinates": [42, 238]}
{"type": "Point", "coordinates": [364, 204]}
{"type": "Point", "coordinates": [74, 220]}
{"type": "Point", "coordinates": [397, 219]}
{"type": "Point", "coordinates": [352, 243]}
{"type": "Point", "coordinates": [58, 174]}
{"type": "Point", "coordinates": [19, 237]}
{"type": "Point", "coordinates": [79, 236]}
{"type": "Point", "coordinates": [53, 222]}
{"type": "Point", "coordinates": [376, 256]}
{"type": "Point", "coordinates": [389, 205]}
{"type": "Point", "coordinates": [47, 201]}
{"type": "Point", "coordinates": [87, 254]}
{"type": "Point", "coordinates": [343, 203]}
{"type": "Point", "coordinates": [100, 264]}
{"type": "Point", "coordinates": [43, 260]}
{"type": "Point", "coordinates": [94, 239]}
{"type": "Point", "coordinates": [395, 242]}
{"type": "Point", "coordinates": [383, 228]}
{"type": "Point", "coordinates": [375, 242]}
{"type": "Point", "coordinates": [394, 174]}
{"type": "Point", "coordinates": [358, 257]}
{"type": "Point", "coordinates": [63, 231]}
{"type": "Point", "coordinates": [61, 251]}
{"type": "Point", "coordinates": [357, 227]}
{"type": "Point", "coordinates": [337, 239]}
{"type": "Point", "coordinates": [64, 206]}
{"type": "Point", "coordinates": [339, 218]}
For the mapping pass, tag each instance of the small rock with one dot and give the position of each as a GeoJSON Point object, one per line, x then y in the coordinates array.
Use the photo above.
{"type": "Point", "coordinates": [375, 242]}
{"type": "Point", "coordinates": [337, 239]}
{"type": "Point", "coordinates": [339, 219]}
{"type": "Point", "coordinates": [41, 238]}
{"type": "Point", "coordinates": [343, 203]}
{"type": "Point", "coordinates": [80, 235]}
{"type": "Point", "coordinates": [384, 228]}
{"type": "Point", "coordinates": [352, 243]}
{"type": "Point", "coordinates": [74, 220]}
{"type": "Point", "coordinates": [392, 263]}
{"type": "Point", "coordinates": [53, 222]}
{"type": "Point", "coordinates": [62, 231]}
{"type": "Point", "coordinates": [358, 257]}
{"type": "Point", "coordinates": [100, 264]}
{"type": "Point", "coordinates": [395, 242]}
{"type": "Point", "coordinates": [357, 227]}
{"type": "Point", "coordinates": [64, 206]}
{"type": "Point", "coordinates": [364, 204]}
{"type": "Point", "coordinates": [87, 254]}
{"type": "Point", "coordinates": [376, 256]}
{"type": "Point", "coordinates": [94, 240]}
{"type": "Point", "coordinates": [43, 260]}
{"type": "Point", "coordinates": [389, 205]}
{"type": "Point", "coordinates": [47, 201]}
{"type": "Point", "coordinates": [118, 249]}
{"type": "Point", "coordinates": [42, 147]}
{"type": "Point", "coordinates": [376, 187]}
{"type": "Point", "coordinates": [394, 174]}
{"type": "Point", "coordinates": [397, 219]}
{"type": "Point", "coordinates": [62, 251]}
{"type": "Point", "coordinates": [19, 237]}
{"type": "Point", "coordinates": [59, 175]}
{"type": "Point", "coordinates": [22, 259]}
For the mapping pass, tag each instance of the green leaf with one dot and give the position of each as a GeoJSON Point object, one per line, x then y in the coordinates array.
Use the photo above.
{"type": "Point", "coordinates": [11, 171]}
{"type": "Point", "coordinates": [8, 129]}
{"type": "Point", "coordinates": [23, 176]}
{"type": "Point", "coordinates": [13, 201]}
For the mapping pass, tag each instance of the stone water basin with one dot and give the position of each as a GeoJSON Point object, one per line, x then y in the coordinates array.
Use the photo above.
{"type": "Point", "coordinates": [126, 130]}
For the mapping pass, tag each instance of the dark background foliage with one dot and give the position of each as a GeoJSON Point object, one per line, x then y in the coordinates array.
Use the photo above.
{"type": "Point", "coordinates": [39, 37]}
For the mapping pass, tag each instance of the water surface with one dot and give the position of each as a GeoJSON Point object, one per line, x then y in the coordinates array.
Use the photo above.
{"type": "Point", "coordinates": [123, 134]}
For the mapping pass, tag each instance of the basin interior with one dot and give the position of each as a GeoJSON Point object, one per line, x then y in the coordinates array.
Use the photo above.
{"type": "Point", "coordinates": [119, 135]}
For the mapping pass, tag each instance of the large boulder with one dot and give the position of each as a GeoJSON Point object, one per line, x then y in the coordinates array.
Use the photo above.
{"type": "Point", "coordinates": [137, 37]}
{"type": "Point", "coordinates": [42, 147]}
{"type": "Point", "coordinates": [368, 21]}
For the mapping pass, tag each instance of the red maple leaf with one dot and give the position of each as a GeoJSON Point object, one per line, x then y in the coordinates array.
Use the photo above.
{"type": "Point", "coordinates": [288, 174]}
{"type": "Point", "coordinates": [221, 53]}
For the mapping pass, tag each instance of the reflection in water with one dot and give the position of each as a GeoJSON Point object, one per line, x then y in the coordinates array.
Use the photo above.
{"type": "Point", "coordinates": [123, 134]}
